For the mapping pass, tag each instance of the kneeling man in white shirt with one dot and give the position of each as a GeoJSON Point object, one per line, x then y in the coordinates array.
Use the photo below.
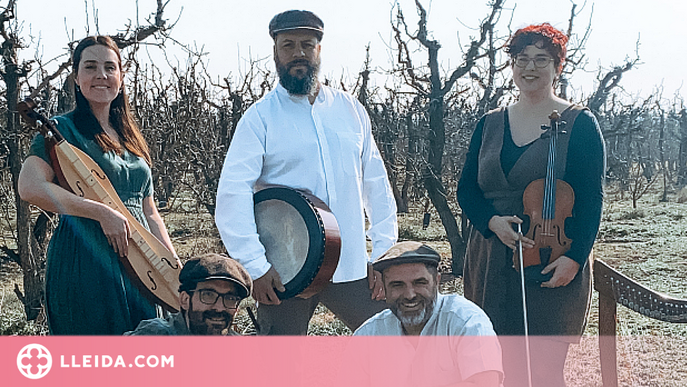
{"type": "Point", "coordinates": [446, 340]}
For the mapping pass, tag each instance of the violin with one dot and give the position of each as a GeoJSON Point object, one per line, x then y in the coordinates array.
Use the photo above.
{"type": "Point", "coordinates": [548, 202]}
{"type": "Point", "coordinates": [150, 265]}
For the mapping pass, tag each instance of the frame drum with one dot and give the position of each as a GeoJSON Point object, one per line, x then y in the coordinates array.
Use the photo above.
{"type": "Point", "coordinates": [301, 239]}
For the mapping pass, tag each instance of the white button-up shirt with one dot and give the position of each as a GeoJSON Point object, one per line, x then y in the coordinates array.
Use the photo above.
{"type": "Point", "coordinates": [457, 341]}
{"type": "Point", "coordinates": [325, 148]}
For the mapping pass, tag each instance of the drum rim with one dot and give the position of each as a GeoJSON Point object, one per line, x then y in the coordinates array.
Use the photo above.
{"type": "Point", "coordinates": [316, 233]}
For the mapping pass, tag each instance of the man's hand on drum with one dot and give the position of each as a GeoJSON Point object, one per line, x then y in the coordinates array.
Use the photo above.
{"type": "Point", "coordinates": [263, 288]}
{"type": "Point", "coordinates": [374, 281]}
{"type": "Point", "coordinates": [502, 227]}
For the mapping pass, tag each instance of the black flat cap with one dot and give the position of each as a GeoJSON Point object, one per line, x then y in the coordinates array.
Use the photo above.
{"type": "Point", "coordinates": [407, 252]}
{"type": "Point", "coordinates": [214, 266]}
{"type": "Point", "coordinates": [296, 20]}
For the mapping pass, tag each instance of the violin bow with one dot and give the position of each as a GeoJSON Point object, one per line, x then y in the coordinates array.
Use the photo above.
{"type": "Point", "coordinates": [524, 308]}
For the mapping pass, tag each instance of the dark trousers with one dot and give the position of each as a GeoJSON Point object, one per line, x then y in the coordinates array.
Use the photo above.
{"type": "Point", "coordinates": [349, 301]}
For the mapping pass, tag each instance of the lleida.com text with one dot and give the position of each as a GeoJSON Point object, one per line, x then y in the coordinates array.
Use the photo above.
{"type": "Point", "coordinates": [107, 361]}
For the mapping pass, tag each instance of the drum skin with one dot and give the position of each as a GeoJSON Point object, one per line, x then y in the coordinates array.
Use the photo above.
{"type": "Point", "coordinates": [301, 239]}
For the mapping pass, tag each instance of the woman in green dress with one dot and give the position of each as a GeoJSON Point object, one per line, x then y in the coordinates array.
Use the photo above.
{"type": "Point", "coordinates": [87, 291]}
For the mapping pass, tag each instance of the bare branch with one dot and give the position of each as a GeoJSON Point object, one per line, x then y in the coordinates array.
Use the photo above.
{"type": "Point", "coordinates": [572, 62]}
{"type": "Point", "coordinates": [141, 33]}
{"type": "Point", "coordinates": [473, 52]}
{"type": "Point", "coordinates": [608, 83]}
{"type": "Point", "coordinates": [407, 70]}
{"type": "Point", "coordinates": [570, 21]}
{"type": "Point", "coordinates": [7, 15]}
{"type": "Point", "coordinates": [49, 78]}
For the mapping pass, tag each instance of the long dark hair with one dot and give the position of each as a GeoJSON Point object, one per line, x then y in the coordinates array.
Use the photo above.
{"type": "Point", "coordinates": [121, 118]}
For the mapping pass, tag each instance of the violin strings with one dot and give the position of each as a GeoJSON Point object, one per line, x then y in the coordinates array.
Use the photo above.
{"type": "Point", "coordinates": [549, 208]}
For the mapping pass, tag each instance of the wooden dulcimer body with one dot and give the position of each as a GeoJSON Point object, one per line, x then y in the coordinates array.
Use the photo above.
{"type": "Point", "coordinates": [151, 266]}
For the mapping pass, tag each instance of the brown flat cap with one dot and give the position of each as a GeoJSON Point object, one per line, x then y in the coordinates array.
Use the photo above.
{"type": "Point", "coordinates": [407, 252]}
{"type": "Point", "coordinates": [214, 266]}
{"type": "Point", "coordinates": [296, 20]}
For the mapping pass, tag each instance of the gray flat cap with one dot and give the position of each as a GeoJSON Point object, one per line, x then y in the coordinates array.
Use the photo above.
{"type": "Point", "coordinates": [296, 20]}
{"type": "Point", "coordinates": [214, 266]}
{"type": "Point", "coordinates": [407, 252]}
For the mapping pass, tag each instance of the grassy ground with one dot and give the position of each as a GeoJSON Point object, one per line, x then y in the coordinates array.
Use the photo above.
{"type": "Point", "coordinates": [649, 244]}
{"type": "Point", "coordinates": [12, 317]}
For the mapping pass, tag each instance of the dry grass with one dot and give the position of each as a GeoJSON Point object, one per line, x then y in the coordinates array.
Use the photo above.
{"type": "Point", "coordinates": [12, 317]}
{"type": "Point", "coordinates": [649, 244]}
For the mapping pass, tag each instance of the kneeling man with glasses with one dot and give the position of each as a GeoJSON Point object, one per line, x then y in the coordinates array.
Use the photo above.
{"type": "Point", "coordinates": [211, 288]}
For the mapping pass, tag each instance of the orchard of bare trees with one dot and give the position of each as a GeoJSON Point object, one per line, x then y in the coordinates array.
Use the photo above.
{"type": "Point", "coordinates": [422, 123]}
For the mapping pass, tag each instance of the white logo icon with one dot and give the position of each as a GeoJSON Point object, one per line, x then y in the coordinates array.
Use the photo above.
{"type": "Point", "coordinates": [34, 361]}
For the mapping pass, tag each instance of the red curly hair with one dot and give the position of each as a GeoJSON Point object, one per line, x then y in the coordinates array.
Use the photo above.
{"type": "Point", "coordinates": [543, 36]}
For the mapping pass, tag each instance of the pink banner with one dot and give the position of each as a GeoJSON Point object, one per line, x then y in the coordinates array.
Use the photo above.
{"type": "Point", "coordinates": [248, 361]}
{"type": "Point", "coordinates": [297, 361]}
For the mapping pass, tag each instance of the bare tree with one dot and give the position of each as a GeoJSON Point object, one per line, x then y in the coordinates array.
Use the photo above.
{"type": "Point", "coordinates": [607, 83]}
{"type": "Point", "coordinates": [27, 253]}
{"type": "Point", "coordinates": [663, 167]}
{"type": "Point", "coordinates": [432, 88]}
{"type": "Point", "coordinates": [189, 120]}
{"type": "Point", "coordinates": [682, 159]}
{"type": "Point", "coordinates": [388, 128]}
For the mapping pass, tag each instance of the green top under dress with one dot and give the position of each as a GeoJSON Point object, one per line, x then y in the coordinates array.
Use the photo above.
{"type": "Point", "coordinates": [87, 290]}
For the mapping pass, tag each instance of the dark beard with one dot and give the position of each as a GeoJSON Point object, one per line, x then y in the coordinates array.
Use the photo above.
{"type": "Point", "coordinates": [198, 321]}
{"type": "Point", "coordinates": [295, 85]}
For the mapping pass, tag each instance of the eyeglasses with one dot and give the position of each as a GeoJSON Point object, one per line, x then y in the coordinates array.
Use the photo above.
{"type": "Point", "coordinates": [539, 62]}
{"type": "Point", "coordinates": [209, 297]}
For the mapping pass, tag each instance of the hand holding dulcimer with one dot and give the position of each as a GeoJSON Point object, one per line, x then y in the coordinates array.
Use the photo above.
{"type": "Point", "coordinates": [548, 203]}
{"type": "Point", "coordinates": [151, 266]}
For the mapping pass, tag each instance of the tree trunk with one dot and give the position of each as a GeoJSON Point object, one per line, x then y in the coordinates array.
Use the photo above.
{"type": "Point", "coordinates": [432, 172]}
{"type": "Point", "coordinates": [682, 168]}
{"type": "Point", "coordinates": [432, 178]}
{"type": "Point", "coordinates": [27, 248]}
{"type": "Point", "coordinates": [437, 194]}
{"type": "Point", "coordinates": [411, 158]}
{"type": "Point", "coordinates": [662, 157]}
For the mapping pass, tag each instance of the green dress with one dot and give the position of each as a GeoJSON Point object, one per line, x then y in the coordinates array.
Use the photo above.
{"type": "Point", "coordinates": [87, 291]}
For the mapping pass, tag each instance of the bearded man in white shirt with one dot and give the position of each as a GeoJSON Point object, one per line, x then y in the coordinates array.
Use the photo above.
{"type": "Point", "coordinates": [444, 340]}
{"type": "Point", "coordinates": [309, 137]}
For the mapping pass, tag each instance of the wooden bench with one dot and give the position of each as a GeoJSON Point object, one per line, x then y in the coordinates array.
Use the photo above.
{"type": "Point", "coordinates": [615, 288]}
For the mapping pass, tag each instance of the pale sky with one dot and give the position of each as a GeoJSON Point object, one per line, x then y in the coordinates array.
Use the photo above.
{"type": "Point", "coordinates": [232, 31]}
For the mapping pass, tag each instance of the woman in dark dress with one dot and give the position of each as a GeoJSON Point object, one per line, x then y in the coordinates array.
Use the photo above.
{"type": "Point", "coordinates": [87, 291]}
{"type": "Point", "coordinates": [506, 153]}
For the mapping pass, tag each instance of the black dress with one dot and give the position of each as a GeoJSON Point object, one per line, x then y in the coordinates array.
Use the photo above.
{"type": "Point", "coordinates": [495, 174]}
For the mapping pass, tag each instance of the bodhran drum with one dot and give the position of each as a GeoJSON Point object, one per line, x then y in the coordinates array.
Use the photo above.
{"type": "Point", "coordinates": [301, 239]}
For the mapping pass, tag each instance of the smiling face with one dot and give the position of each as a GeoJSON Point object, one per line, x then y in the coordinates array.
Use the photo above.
{"type": "Point", "coordinates": [99, 75]}
{"type": "Point", "coordinates": [532, 78]}
{"type": "Point", "coordinates": [209, 319]}
{"type": "Point", "coordinates": [411, 292]}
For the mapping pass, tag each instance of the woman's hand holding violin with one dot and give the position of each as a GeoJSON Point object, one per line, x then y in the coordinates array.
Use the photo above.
{"type": "Point", "coordinates": [564, 271]}
{"type": "Point", "coordinates": [502, 227]}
